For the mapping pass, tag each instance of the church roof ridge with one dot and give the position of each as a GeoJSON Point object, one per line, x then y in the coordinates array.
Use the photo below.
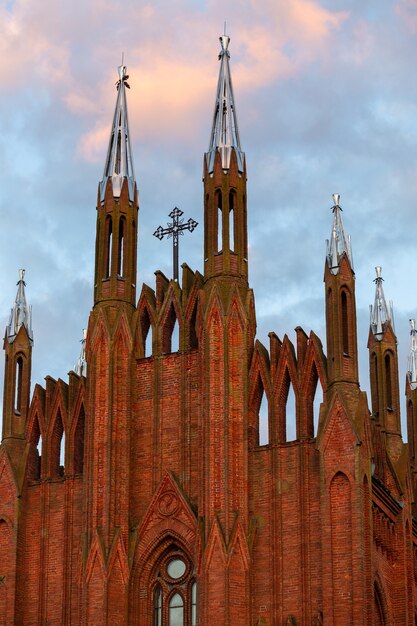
{"type": "Point", "coordinates": [225, 132]}
{"type": "Point", "coordinates": [119, 160]}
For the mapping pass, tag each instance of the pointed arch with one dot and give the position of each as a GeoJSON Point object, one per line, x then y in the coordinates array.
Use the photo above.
{"type": "Point", "coordinates": [286, 401]}
{"type": "Point", "coordinates": [259, 425]}
{"type": "Point", "coordinates": [219, 219]}
{"type": "Point", "coordinates": [313, 386]}
{"type": "Point", "coordinates": [341, 548]}
{"type": "Point", "coordinates": [121, 248]}
{"type": "Point", "coordinates": [232, 221]}
{"type": "Point", "coordinates": [170, 325]}
{"type": "Point", "coordinates": [345, 330]}
{"type": "Point", "coordinates": [108, 250]}
{"type": "Point", "coordinates": [56, 440]}
{"type": "Point", "coordinates": [388, 359]}
{"type": "Point", "coordinates": [79, 437]}
{"type": "Point", "coordinates": [18, 382]}
{"type": "Point", "coordinates": [35, 451]}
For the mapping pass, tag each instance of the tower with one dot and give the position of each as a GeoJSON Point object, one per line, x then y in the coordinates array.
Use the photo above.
{"type": "Point", "coordinates": [227, 331]}
{"type": "Point", "coordinates": [18, 342]}
{"type": "Point", "coordinates": [108, 354]}
{"type": "Point", "coordinates": [383, 367]}
{"type": "Point", "coordinates": [339, 278]}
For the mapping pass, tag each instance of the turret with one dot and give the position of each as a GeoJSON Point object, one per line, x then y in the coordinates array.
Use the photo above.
{"type": "Point", "coordinates": [383, 368]}
{"type": "Point", "coordinates": [117, 211]}
{"type": "Point", "coordinates": [18, 341]}
{"type": "Point", "coordinates": [225, 219]}
{"type": "Point", "coordinates": [339, 278]}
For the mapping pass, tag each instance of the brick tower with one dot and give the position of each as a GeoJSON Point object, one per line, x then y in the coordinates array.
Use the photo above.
{"type": "Point", "coordinates": [218, 482]}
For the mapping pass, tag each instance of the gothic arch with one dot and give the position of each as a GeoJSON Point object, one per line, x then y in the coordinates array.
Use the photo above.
{"type": "Point", "coordinates": [260, 386]}
{"type": "Point", "coordinates": [34, 435]}
{"type": "Point", "coordinates": [170, 315]}
{"type": "Point", "coordinates": [286, 376]}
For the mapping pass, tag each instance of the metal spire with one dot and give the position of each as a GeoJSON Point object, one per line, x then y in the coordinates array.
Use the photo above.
{"type": "Point", "coordinates": [338, 244]}
{"type": "Point", "coordinates": [80, 367]}
{"type": "Point", "coordinates": [381, 315]}
{"type": "Point", "coordinates": [119, 160]}
{"type": "Point", "coordinates": [225, 132]}
{"type": "Point", "coordinates": [412, 358]}
{"type": "Point", "coordinates": [21, 313]}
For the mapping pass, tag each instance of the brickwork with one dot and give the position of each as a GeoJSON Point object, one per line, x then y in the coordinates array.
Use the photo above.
{"type": "Point", "coordinates": [155, 455]}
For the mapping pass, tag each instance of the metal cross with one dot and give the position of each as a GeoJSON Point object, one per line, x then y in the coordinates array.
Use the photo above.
{"type": "Point", "coordinates": [174, 230]}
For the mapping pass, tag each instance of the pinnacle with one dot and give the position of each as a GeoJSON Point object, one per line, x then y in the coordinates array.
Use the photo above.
{"type": "Point", "coordinates": [225, 133]}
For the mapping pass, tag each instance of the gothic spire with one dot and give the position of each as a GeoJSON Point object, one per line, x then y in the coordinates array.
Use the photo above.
{"type": "Point", "coordinates": [119, 160]}
{"type": "Point", "coordinates": [381, 315]}
{"type": "Point", "coordinates": [21, 313]}
{"type": "Point", "coordinates": [80, 367]}
{"type": "Point", "coordinates": [412, 358]}
{"type": "Point", "coordinates": [225, 132]}
{"type": "Point", "coordinates": [339, 244]}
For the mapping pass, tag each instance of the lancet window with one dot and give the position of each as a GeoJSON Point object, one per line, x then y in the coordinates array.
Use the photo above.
{"type": "Point", "coordinates": [108, 243]}
{"type": "Point", "coordinates": [121, 262]}
{"type": "Point", "coordinates": [345, 324]}
{"type": "Point", "coordinates": [232, 203]}
{"type": "Point", "coordinates": [18, 385]}
{"type": "Point", "coordinates": [388, 381]}
{"type": "Point", "coordinates": [175, 592]}
{"type": "Point", "coordinates": [219, 220]}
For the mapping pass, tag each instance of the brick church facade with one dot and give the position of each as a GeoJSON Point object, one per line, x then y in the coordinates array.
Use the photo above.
{"type": "Point", "coordinates": [143, 490]}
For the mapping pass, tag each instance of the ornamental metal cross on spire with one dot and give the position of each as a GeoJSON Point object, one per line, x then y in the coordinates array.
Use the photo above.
{"type": "Point", "coordinates": [381, 315]}
{"type": "Point", "coordinates": [173, 230]}
{"type": "Point", "coordinates": [339, 244]}
{"type": "Point", "coordinates": [412, 358]}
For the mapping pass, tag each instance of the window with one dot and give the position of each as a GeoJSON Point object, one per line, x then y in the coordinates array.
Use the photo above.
{"type": "Point", "coordinates": [231, 221]}
{"type": "Point", "coordinates": [345, 324]}
{"type": "Point", "coordinates": [121, 269]}
{"type": "Point", "coordinates": [109, 244]}
{"type": "Point", "coordinates": [175, 593]}
{"type": "Point", "coordinates": [388, 383]}
{"type": "Point", "coordinates": [18, 386]}
{"type": "Point", "coordinates": [219, 221]}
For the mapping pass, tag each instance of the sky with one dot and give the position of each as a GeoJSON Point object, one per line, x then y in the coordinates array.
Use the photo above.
{"type": "Point", "coordinates": [326, 99]}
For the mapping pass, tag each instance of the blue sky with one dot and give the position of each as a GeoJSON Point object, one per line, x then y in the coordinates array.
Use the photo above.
{"type": "Point", "coordinates": [326, 102]}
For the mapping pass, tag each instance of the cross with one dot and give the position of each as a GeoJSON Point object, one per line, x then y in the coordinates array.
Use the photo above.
{"type": "Point", "coordinates": [175, 229]}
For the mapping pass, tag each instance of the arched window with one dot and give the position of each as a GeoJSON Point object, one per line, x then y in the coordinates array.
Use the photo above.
{"type": "Point", "coordinates": [176, 611]}
{"type": "Point", "coordinates": [35, 452]}
{"type": "Point", "coordinates": [108, 244]}
{"type": "Point", "coordinates": [171, 332]}
{"type": "Point", "coordinates": [121, 263]}
{"type": "Point", "coordinates": [175, 593]}
{"type": "Point", "coordinates": [375, 385]}
{"type": "Point", "coordinates": [79, 443]}
{"type": "Point", "coordinates": [232, 221]}
{"type": "Point", "coordinates": [157, 607]}
{"type": "Point", "coordinates": [18, 385]}
{"type": "Point", "coordinates": [219, 221]}
{"type": "Point", "coordinates": [345, 324]}
{"type": "Point", "coordinates": [388, 381]}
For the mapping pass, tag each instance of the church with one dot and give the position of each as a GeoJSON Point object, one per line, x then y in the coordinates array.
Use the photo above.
{"type": "Point", "coordinates": [152, 488]}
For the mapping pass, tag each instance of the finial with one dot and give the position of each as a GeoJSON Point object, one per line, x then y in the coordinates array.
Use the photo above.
{"type": "Point", "coordinates": [338, 244]}
{"type": "Point", "coordinates": [412, 358]}
{"type": "Point", "coordinates": [80, 367]}
{"type": "Point", "coordinates": [21, 313]}
{"type": "Point", "coordinates": [119, 160]}
{"type": "Point", "coordinates": [225, 133]}
{"type": "Point", "coordinates": [381, 315]}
